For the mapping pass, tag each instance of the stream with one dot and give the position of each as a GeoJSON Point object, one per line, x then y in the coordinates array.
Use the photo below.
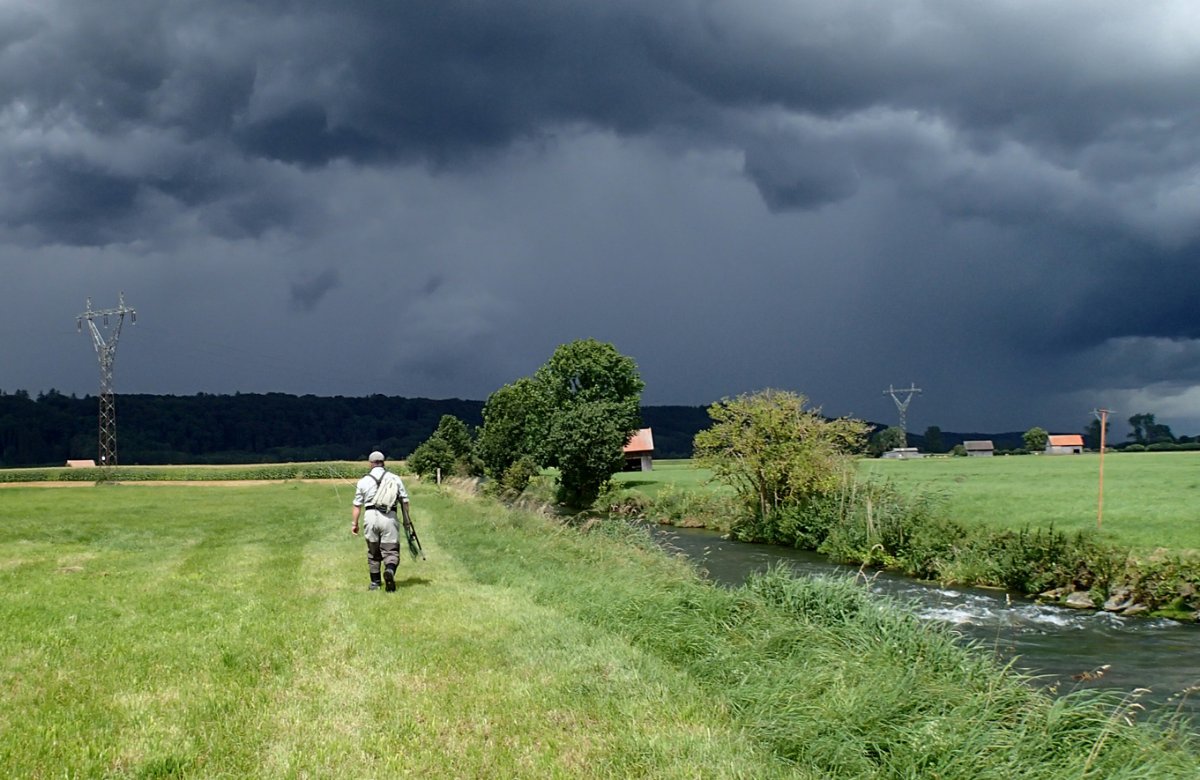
{"type": "Point", "coordinates": [1054, 643]}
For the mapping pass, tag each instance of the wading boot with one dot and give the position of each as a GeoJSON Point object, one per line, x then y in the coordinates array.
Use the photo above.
{"type": "Point", "coordinates": [389, 579]}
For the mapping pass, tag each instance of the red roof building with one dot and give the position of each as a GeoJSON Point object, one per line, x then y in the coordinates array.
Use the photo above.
{"type": "Point", "coordinates": [639, 451]}
{"type": "Point", "coordinates": [1064, 444]}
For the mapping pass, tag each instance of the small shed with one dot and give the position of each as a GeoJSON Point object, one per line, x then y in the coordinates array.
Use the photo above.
{"type": "Point", "coordinates": [1064, 444]}
{"type": "Point", "coordinates": [81, 464]}
{"type": "Point", "coordinates": [639, 451]}
{"type": "Point", "coordinates": [980, 448]}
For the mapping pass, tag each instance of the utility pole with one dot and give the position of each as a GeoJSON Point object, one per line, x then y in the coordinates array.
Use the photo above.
{"type": "Point", "coordinates": [902, 406]}
{"type": "Point", "coordinates": [1102, 416]}
{"type": "Point", "coordinates": [106, 351]}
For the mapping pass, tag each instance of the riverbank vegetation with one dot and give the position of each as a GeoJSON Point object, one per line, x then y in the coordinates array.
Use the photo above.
{"type": "Point", "coordinates": [1023, 524]}
{"type": "Point", "coordinates": [166, 633]}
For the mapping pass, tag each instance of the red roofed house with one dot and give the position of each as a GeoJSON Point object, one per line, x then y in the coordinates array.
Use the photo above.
{"type": "Point", "coordinates": [1064, 444]}
{"type": "Point", "coordinates": [639, 451]}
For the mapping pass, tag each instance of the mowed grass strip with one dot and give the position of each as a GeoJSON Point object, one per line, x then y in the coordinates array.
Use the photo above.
{"type": "Point", "coordinates": [227, 632]}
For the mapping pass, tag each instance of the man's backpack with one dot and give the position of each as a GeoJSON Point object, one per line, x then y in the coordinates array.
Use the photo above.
{"type": "Point", "coordinates": [387, 492]}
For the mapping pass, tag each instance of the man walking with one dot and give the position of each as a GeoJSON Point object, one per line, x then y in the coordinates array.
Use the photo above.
{"type": "Point", "coordinates": [380, 526]}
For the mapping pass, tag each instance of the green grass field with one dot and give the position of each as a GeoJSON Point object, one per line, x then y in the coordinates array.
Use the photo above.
{"type": "Point", "coordinates": [226, 631]}
{"type": "Point", "coordinates": [1151, 500]}
{"type": "Point", "coordinates": [668, 474]}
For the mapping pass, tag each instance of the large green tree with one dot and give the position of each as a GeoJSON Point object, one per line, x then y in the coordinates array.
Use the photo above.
{"type": "Point", "coordinates": [1146, 430]}
{"type": "Point", "coordinates": [933, 439]}
{"type": "Point", "coordinates": [513, 425]}
{"type": "Point", "coordinates": [448, 450]}
{"type": "Point", "coordinates": [1035, 439]}
{"type": "Point", "coordinates": [593, 397]}
{"type": "Point", "coordinates": [456, 434]}
{"type": "Point", "coordinates": [890, 438]}
{"type": "Point", "coordinates": [774, 452]}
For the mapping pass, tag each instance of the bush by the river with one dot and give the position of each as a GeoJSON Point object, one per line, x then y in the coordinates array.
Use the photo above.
{"type": "Point", "coordinates": [874, 523]}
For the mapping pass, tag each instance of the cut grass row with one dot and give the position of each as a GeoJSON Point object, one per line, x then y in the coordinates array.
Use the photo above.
{"type": "Point", "coordinates": [226, 632]}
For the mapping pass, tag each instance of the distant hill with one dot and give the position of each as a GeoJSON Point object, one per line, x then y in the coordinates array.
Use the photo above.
{"type": "Point", "coordinates": [1002, 441]}
{"type": "Point", "coordinates": [273, 427]}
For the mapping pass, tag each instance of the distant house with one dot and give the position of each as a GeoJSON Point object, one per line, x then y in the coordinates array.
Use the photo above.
{"type": "Point", "coordinates": [902, 453]}
{"type": "Point", "coordinates": [81, 464]}
{"type": "Point", "coordinates": [1064, 444]}
{"type": "Point", "coordinates": [639, 451]}
{"type": "Point", "coordinates": [980, 448]}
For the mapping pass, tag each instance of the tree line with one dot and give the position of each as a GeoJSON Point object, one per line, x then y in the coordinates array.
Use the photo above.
{"type": "Point", "coordinates": [1145, 434]}
{"type": "Point", "coordinates": [52, 427]}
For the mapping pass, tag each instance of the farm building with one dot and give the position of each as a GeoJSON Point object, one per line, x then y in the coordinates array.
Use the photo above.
{"type": "Point", "coordinates": [639, 451]}
{"type": "Point", "coordinates": [81, 464]}
{"type": "Point", "coordinates": [902, 453]}
{"type": "Point", "coordinates": [1064, 444]}
{"type": "Point", "coordinates": [980, 448]}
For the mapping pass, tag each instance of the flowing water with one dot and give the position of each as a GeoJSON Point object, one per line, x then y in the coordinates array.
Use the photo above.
{"type": "Point", "coordinates": [1063, 647]}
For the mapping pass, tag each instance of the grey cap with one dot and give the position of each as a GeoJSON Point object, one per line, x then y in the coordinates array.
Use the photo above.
{"type": "Point", "coordinates": [375, 457]}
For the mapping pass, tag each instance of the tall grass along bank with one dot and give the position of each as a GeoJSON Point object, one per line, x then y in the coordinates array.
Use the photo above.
{"type": "Point", "coordinates": [888, 516]}
{"type": "Point", "coordinates": [227, 632]}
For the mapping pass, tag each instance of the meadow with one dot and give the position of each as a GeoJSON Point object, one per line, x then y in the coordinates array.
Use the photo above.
{"type": "Point", "coordinates": [1151, 499]}
{"type": "Point", "coordinates": [226, 631]}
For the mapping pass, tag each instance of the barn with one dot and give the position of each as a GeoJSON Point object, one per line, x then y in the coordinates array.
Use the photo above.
{"type": "Point", "coordinates": [1064, 444]}
{"type": "Point", "coordinates": [639, 451]}
{"type": "Point", "coordinates": [980, 448]}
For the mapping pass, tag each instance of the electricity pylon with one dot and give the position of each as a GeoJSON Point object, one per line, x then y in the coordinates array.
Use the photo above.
{"type": "Point", "coordinates": [903, 405]}
{"type": "Point", "coordinates": [106, 351]}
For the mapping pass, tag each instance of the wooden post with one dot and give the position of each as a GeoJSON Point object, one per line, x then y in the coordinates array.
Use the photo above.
{"type": "Point", "coordinates": [439, 475]}
{"type": "Point", "coordinates": [1103, 415]}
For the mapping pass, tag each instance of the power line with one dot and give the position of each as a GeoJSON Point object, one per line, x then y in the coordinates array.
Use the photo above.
{"type": "Point", "coordinates": [902, 406]}
{"type": "Point", "coordinates": [106, 351]}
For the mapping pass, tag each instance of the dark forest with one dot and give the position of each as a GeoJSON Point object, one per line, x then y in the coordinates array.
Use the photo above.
{"type": "Point", "coordinates": [258, 428]}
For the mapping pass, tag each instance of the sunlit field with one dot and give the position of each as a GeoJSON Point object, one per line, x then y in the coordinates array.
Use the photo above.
{"type": "Point", "coordinates": [204, 631]}
{"type": "Point", "coordinates": [226, 631]}
{"type": "Point", "coordinates": [1151, 499]}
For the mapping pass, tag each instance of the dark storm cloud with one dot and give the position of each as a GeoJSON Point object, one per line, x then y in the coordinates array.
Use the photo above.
{"type": "Point", "coordinates": [310, 82]}
{"type": "Point", "coordinates": [944, 180]}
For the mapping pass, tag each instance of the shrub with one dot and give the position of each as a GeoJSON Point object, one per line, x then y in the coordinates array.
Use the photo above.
{"type": "Point", "coordinates": [432, 455]}
{"type": "Point", "coordinates": [517, 476]}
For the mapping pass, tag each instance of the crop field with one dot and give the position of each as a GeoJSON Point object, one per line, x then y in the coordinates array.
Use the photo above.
{"type": "Point", "coordinates": [1151, 500]}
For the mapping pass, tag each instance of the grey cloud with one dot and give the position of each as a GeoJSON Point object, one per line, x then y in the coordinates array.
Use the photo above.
{"type": "Point", "coordinates": [801, 174]}
{"type": "Point", "coordinates": [307, 293]}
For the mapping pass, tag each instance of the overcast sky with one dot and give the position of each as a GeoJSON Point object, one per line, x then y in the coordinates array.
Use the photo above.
{"type": "Point", "coordinates": [997, 201]}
